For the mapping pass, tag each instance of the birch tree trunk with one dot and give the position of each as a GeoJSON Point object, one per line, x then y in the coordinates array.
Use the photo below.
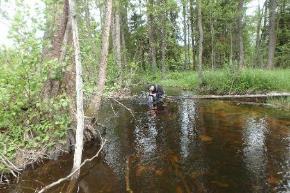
{"type": "Point", "coordinates": [272, 33]}
{"type": "Point", "coordinates": [96, 100]}
{"type": "Point", "coordinates": [79, 91]}
{"type": "Point", "coordinates": [200, 41]}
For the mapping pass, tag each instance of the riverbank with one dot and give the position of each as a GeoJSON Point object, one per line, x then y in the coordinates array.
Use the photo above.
{"type": "Point", "coordinates": [222, 81]}
{"type": "Point", "coordinates": [40, 129]}
{"type": "Point", "coordinates": [32, 131]}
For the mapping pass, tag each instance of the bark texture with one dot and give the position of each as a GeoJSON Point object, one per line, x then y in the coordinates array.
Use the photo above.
{"type": "Point", "coordinates": [52, 87]}
{"type": "Point", "coordinates": [79, 92]}
{"type": "Point", "coordinates": [116, 39]}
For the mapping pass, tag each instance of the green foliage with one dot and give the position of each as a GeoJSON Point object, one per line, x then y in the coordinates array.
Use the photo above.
{"type": "Point", "coordinates": [224, 81]}
{"type": "Point", "coordinates": [247, 81]}
{"type": "Point", "coordinates": [27, 122]}
{"type": "Point", "coordinates": [33, 125]}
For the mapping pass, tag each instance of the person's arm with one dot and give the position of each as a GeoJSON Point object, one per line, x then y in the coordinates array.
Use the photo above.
{"type": "Point", "coordinates": [152, 94]}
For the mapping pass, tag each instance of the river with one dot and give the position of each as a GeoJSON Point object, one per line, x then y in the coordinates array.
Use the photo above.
{"type": "Point", "coordinates": [184, 146]}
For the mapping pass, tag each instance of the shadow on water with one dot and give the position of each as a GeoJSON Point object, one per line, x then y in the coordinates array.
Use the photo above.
{"type": "Point", "coordinates": [186, 146]}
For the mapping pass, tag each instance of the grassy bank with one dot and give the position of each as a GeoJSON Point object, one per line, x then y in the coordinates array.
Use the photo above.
{"type": "Point", "coordinates": [224, 81]}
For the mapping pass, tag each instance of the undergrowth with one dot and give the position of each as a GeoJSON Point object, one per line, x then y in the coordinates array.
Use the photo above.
{"type": "Point", "coordinates": [223, 81]}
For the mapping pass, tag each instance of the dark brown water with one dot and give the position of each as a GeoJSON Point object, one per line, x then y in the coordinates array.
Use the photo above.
{"type": "Point", "coordinates": [186, 146]}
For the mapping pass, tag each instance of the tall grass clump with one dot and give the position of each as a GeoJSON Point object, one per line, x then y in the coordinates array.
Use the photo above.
{"type": "Point", "coordinates": [223, 81]}
{"type": "Point", "coordinates": [185, 79]}
{"type": "Point", "coordinates": [246, 81]}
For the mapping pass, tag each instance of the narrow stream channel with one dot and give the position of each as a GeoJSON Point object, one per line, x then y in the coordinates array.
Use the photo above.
{"type": "Point", "coordinates": [185, 146]}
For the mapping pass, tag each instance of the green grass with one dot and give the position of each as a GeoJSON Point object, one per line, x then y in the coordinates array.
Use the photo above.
{"type": "Point", "coordinates": [186, 80]}
{"type": "Point", "coordinates": [283, 103]}
{"type": "Point", "coordinates": [224, 81]}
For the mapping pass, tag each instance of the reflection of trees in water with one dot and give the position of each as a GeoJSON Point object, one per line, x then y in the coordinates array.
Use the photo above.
{"type": "Point", "coordinates": [192, 149]}
{"type": "Point", "coordinates": [112, 152]}
{"type": "Point", "coordinates": [113, 156]}
{"type": "Point", "coordinates": [145, 136]}
{"type": "Point", "coordinates": [254, 151]}
{"type": "Point", "coordinates": [284, 185]}
{"type": "Point", "coordinates": [187, 117]}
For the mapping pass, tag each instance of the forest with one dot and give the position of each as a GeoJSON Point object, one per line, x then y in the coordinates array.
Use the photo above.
{"type": "Point", "coordinates": [62, 60]}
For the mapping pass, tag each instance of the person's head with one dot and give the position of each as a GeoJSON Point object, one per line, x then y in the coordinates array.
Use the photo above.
{"type": "Point", "coordinates": [151, 88]}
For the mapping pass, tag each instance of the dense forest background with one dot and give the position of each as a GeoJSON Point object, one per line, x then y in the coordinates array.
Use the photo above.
{"type": "Point", "coordinates": [139, 38]}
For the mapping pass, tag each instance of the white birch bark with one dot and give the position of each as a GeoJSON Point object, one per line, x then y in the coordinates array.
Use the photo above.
{"type": "Point", "coordinates": [79, 92]}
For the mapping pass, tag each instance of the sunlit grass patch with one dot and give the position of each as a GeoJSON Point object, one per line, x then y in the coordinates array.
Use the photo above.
{"type": "Point", "coordinates": [224, 81]}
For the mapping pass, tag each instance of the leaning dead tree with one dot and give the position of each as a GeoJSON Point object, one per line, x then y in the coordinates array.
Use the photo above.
{"type": "Point", "coordinates": [96, 100]}
{"type": "Point", "coordinates": [79, 91]}
{"type": "Point", "coordinates": [79, 102]}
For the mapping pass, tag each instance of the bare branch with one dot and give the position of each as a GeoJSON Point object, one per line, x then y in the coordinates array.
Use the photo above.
{"type": "Point", "coordinates": [72, 173]}
{"type": "Point", "coordinates": [130, 110]}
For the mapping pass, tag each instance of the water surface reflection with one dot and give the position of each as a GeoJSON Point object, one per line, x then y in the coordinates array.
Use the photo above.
{"type": "Point", "coordinates": [186, 146]}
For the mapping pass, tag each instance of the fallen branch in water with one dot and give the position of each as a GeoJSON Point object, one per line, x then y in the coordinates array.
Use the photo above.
{"type": "Point", "coordinates": [15, 171]}
{"type": "Point", "coordinates": [72, 173]}
{"type": "Point", "coordinates": [130, 110]}
{"type": "Point", "coordinates": [269, 95]}
{"type": "Point", "coordinates": [113, 110]}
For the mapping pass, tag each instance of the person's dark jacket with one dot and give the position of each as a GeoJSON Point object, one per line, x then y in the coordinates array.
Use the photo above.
{"type": "Point", "coordinates": [158, 90]}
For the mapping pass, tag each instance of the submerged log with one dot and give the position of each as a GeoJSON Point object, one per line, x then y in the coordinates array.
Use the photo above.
{"type": "Point", "coordinates": [221, 97]}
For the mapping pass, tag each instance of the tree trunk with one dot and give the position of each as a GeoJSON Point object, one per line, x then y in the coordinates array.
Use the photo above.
{"type": "Point", "coordinates": [163, 26]}
{"type": "Point", "coordinates": [231, 46]}
{"type": "Point", "coordinates": [257, 61]}
{"type": "Point", "coordinates": [184, 33]}
{"type": "Point", "coordinates": [124, 34]}
{"type": "Point", "coordinates": [192, 32]}
{"type": "Point", "coordinates": [264, 31]}
{"type": "Point", "coordinates": [200, 41]}
{"type": "Point", "coordinates": [79, 91]}
{"type": "Point", "coordinates": [151, 35]}
{"type": "Point", "coordinates": [87, 13]}
{"type": "Point", "coordinates": [52, 87]}
{"type": "Point", "coordinates": [63, 50]}
{"type": "Point", "coordinates": [117, 40]}
{"type": "Point", "coordinates": [240, 34]}
{"type": "Point", "coordinates": [96, 100]}
{"type": "Point", "coordinates": [272, 33]}
{"type": "Point", "coordinates": [124, 50]}
{"type": "Point", "coordinates": [212, 34]}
